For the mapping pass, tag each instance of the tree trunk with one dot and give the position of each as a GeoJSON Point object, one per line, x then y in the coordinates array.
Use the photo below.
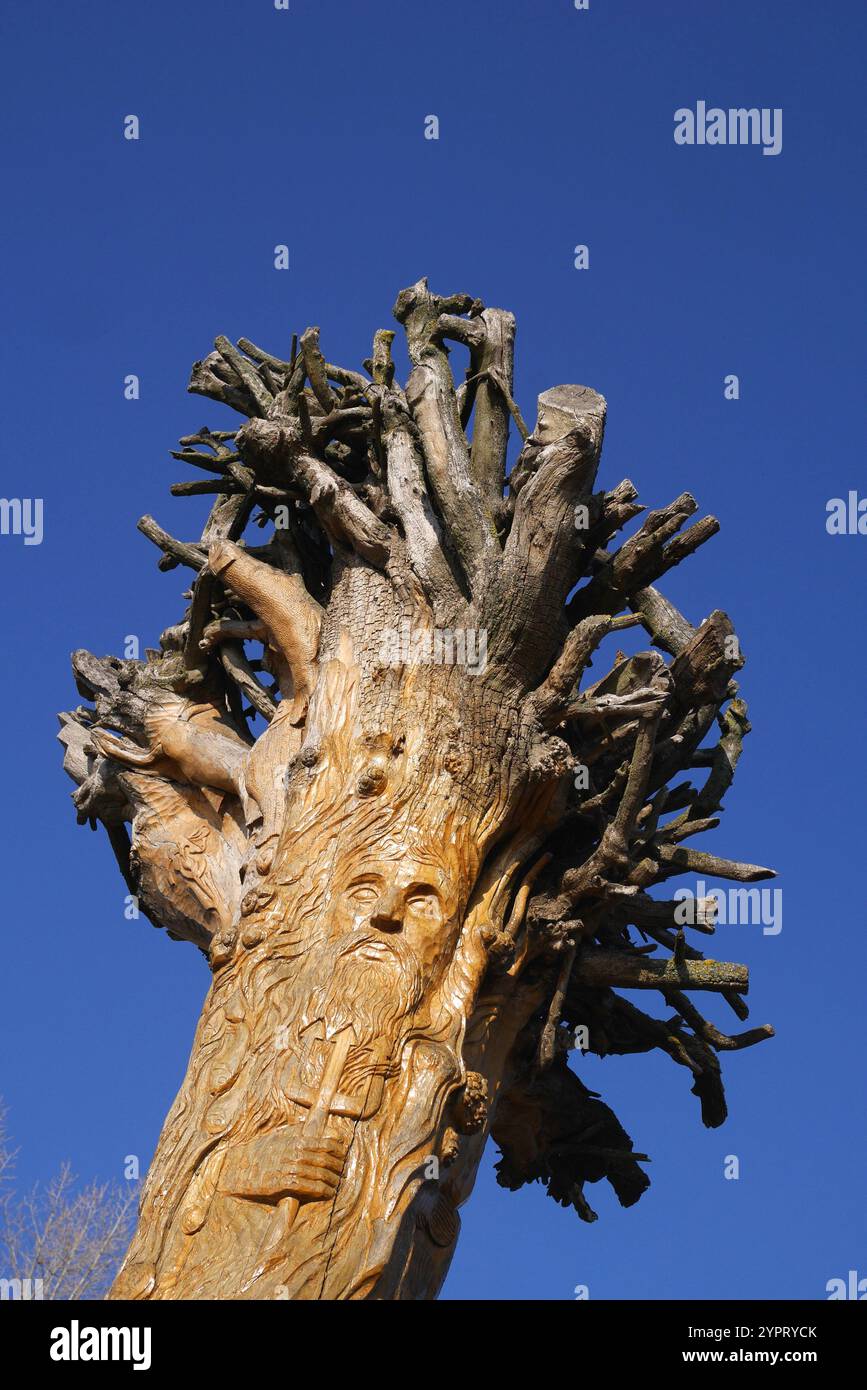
{"type": "Point", "coordinates": [359, 937]}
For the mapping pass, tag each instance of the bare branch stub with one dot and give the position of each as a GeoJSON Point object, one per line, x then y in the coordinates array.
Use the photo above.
{"type": "Point", "coordinates": [366, 773]}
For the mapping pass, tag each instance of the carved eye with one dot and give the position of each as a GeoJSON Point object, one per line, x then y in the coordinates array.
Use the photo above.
{"type": "Point", "coordinates": [423, 902]}
{"type": "Point", "coordinates": [363, 894]}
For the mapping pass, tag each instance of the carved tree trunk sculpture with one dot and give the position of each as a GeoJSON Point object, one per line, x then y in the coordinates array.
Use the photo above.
{"type": "Point", "coordinates": [423, 870]}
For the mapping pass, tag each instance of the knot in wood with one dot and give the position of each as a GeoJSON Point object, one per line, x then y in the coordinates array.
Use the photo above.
{"type": "Point", "coordinates": [470, 1110]}
{"type": "Point", "coordinates": [373, 779]}
{"type": "Point", "coordinates": [222, 946]}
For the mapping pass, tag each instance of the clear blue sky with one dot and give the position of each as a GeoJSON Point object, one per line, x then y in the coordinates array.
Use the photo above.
{"type": "Point", "coordinates": [556, 128]}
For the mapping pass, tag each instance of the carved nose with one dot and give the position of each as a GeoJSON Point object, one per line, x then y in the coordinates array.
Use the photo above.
{"type": "Point", "coordinates": [387, 915]}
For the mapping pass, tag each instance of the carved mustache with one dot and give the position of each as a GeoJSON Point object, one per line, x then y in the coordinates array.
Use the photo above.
{"type": "Point", "coordinates": [372, 946]}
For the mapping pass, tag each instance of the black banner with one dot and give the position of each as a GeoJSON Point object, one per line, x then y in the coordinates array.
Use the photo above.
{"type": "Point", "coordinates": [257, 1337]}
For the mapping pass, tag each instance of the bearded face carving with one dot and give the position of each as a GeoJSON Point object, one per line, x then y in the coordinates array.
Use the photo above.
{"type": "Point", "coordinates": [346, 1008]}
{"type": "Point", "coordinates": [406, 905]}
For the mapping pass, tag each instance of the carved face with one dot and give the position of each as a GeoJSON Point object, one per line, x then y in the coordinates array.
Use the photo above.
{"type": "Point", "coordinates": [407, 898]}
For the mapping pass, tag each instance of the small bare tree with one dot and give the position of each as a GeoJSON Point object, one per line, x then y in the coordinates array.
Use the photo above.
{"type": "Point", "coordinates": [60, 1241]}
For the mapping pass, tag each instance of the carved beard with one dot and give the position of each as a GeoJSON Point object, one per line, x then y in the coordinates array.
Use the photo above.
{"type": "Point", "coordinates": [374, 982]}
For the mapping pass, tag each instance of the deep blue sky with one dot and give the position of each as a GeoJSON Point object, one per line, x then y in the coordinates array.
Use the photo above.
{"type": "Point", "coordinates": [306, 127]}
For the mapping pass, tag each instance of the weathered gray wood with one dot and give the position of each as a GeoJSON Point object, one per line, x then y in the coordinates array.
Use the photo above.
{"type": "Point", "coordinates": [615, 969]}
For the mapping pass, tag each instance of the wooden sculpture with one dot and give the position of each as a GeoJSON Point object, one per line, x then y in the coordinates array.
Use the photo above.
{"type": "Point", "coordinates": [417, 873]}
